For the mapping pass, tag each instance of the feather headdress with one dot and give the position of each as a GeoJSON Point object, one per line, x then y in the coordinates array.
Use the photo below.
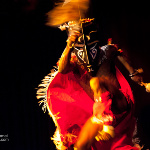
{"type": "Point", "coordinates": [69, 10]}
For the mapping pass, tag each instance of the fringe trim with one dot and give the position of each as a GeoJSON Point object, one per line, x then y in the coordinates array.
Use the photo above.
{"type": "Point", "coordinates": [42, 94]}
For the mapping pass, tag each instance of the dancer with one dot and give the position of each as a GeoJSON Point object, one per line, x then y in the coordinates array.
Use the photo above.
{"type": "Point", "coordinates": [121, 103]}
{"type": "Point", "coordinates": [73, 98]}
{"type": "Point", "coordinates": [88, 98]}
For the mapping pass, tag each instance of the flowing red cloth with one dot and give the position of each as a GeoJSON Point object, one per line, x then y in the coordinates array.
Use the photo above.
{"type": "Point", "coordinates": [66, 97]}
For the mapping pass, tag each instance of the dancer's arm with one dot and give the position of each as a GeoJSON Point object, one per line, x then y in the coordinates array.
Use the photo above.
{"type": "Point", "coordinates": [123, 60]}
{"type": "Point", "coordinates": [137, 78]}
{"type": "Point", "coordinates": [64, 63]}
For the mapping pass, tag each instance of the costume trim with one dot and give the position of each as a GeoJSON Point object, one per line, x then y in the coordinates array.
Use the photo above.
{"type": "Point", "coordinates": [42, 94]}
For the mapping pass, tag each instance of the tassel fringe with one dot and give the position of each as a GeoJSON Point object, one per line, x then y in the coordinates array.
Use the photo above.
{"type": "Point", "coordinates": [42, 95]}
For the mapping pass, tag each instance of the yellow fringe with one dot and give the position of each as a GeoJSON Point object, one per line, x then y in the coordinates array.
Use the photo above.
{"type": "Point", "coordinates": [42, 94]}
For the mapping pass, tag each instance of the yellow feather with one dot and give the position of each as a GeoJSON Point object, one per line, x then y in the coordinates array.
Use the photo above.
{"type": "Point", "coordinates": [70, 11]}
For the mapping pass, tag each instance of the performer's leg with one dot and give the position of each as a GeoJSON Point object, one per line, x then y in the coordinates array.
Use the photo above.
{"type": "Point", "coordinates": [87, 135]}
{"type": "Point", "coordinates": [100, 85]}
{"type": "Point", "coordinates": [93, 126]}
{"type": "Point", "coordinates": [95, 86]}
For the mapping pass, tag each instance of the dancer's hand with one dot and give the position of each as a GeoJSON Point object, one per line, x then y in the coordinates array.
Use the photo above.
{"type": "Point", "coordinates": [137, 78]}
{"type": "Point", "coordinates": [72, 39]}
{"type": "Point", "coordinates": [98, 109]}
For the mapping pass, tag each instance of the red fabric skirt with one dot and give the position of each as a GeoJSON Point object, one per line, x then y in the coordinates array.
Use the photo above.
{"type": "Point", "coordinates": [67, 99]}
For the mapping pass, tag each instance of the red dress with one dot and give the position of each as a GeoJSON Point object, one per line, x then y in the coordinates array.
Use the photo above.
{"type": "Point", "coordinates": [70, 107]}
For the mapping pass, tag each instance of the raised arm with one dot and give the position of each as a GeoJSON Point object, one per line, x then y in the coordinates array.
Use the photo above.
{"type": "Point", "coordinates": [134, 74]}
{"type": "Point", "coordinates": [64, 63]}
{"type": "Point", "coordinates": [123, 60]}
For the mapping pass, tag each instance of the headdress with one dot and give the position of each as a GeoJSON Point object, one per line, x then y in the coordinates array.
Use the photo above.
{"type": "Point", "coordinates": [69, 10]}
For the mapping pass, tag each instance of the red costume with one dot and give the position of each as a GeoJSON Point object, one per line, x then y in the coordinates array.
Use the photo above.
{"type": "Point", "coordinates": [70, 107]}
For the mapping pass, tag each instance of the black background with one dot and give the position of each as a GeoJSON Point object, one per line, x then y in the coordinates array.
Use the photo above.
{"type": "Point", "coordinates": [29, 49]}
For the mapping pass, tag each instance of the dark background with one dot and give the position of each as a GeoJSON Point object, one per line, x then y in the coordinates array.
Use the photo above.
{"type": "Point", "coordinates": [29, 49]}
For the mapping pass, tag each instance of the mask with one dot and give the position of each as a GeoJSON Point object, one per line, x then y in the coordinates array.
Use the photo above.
{"type": "Point", "coordinates": [87, 47]}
